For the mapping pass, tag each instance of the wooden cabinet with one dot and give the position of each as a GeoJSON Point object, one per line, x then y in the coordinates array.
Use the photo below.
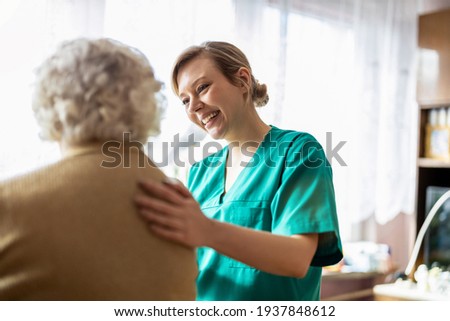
{"type": "Point", "coordinates": [433, 92]}
{"type": "Point", "coordinates": [433, 79]}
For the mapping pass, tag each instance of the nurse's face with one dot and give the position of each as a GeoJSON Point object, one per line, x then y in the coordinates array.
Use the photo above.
{"type": "Point", "coordinates": [210, 100]}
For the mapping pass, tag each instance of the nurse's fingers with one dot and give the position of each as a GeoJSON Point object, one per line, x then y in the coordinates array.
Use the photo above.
{"type": "Point", "coordinates": [161, 191]}
{"type": "Point", "coordinates": [171, 235]}
{"type": "Point", "coordinates": [162, 220]}
{"type": "Point", "coordinates": [178, 186]}
{"type": "Point", "coordinates": [149, 203]}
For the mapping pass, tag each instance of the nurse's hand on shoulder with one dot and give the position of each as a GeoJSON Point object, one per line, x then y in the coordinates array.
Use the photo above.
{"type": "Point", "coordinates": [172, 213]}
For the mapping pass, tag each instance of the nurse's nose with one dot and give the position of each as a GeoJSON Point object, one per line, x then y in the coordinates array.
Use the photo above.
{"type": "Point", "coordinates": [195, 105]}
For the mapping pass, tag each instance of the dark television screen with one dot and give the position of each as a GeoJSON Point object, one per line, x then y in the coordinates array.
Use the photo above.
{"type": "Point", "coordinates": [437, 239]}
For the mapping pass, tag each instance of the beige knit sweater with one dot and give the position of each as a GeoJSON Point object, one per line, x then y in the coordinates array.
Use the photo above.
{"type": "Point", "coordinates": [70, 231]}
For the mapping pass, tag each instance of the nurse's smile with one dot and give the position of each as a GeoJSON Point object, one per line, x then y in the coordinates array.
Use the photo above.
{"type": "Point", "coordinates": [211, 120]}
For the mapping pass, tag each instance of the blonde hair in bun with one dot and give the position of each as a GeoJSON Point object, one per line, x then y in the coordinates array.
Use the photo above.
{"type": "Point", "coordinates": [259, 94]}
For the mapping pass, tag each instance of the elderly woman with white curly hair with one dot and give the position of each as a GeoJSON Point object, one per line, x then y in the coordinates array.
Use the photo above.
{"type": "Point", "coordinates": [68, 231]}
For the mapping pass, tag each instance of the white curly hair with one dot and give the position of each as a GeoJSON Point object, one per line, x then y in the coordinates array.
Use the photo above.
{"type": "Point", "coordinates": [95, 90]}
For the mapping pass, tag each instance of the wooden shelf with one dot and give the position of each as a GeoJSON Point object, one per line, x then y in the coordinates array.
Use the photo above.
{"type": "Point", "coordinates": [433, 104]}
{"type": "Point", "coordinates": [350, 275]}
{"type": "Point", "coordinates": [433, 163]}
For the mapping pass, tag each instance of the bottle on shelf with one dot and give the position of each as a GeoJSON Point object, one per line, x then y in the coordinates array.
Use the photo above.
{"type": "Point", "coordinates": [437, 134]}
{"type": "Point", "coordinates": [448, 117]}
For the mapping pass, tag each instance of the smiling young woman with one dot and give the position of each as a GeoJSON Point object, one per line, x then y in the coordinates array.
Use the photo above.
{"type": "Point", "coordinates": [261, 211]}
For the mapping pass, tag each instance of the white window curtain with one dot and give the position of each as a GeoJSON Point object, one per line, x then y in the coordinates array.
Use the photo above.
{"type": "Point", "coordinates": [343, 67]}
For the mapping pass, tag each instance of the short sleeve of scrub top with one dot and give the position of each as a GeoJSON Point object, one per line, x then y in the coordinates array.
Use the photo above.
{"type": "Point", "coordinates": [286, 189]}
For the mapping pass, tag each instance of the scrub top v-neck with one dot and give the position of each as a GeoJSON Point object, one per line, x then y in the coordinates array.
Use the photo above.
{"type": "Point", "coordinates": [286, 189]}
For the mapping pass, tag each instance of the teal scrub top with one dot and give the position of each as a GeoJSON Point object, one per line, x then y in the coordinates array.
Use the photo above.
{"type": "Point", "coordinates": [286, 189]}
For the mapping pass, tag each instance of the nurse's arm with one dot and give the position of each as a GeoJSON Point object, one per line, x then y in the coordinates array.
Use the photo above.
{"type": "Point", "coordinates": [174, 215]}
{"type": "Point", "coordinates": [276, 254]}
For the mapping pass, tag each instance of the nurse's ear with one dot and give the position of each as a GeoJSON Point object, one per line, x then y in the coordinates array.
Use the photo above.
{"type": "Point", "coordinates": [245, 78]}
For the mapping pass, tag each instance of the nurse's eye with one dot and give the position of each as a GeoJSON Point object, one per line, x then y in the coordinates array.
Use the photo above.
{"type": "Point", "coordinates": [185, 102]}
{"type": "Point", "coordinates": [201, 88]}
